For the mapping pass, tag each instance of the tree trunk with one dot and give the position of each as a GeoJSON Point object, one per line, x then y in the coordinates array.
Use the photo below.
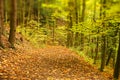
{"type": "Point", "coordinates": [93, 39]}
{"type": "Point", "coordinates": [82, 20]}
{"type": "Point", "coordinates": [97, 39]}
{"type": "Point", "coordinates": [109, 56]}
{"type": "Point", "coordinates": [117, 65]}
{"type": "Point", "coordinates": [69, 32]}
{"type": "Point", "coordinates": [6, 12]}
{"type": "Point", "coordinates": [70, 24]}
{"type": "Point", "coordinates": [77, 10]}
{"type": "Point", "coordinates": [38, 14]}
{"type": "Point", "coordinates": [1, 22]}
{"type": "Point", "coordinates": [23, 13]}
{"type": "Point", "coordinates": [53, 33]}
{"type": "Point", "coordinates": [13, 21]}
{"type": "Point", "coordinates": [96, 49]}
{"type": "Point", "coordinates": [103, 54]}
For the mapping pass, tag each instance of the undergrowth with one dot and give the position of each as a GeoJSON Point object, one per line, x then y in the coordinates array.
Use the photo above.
{"type": "Point", "coordinates": [82, 54]}
{"type": "Point", "coordinates": [107, 69]}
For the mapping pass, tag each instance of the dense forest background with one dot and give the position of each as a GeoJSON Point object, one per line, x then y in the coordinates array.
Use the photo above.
{"type": "Point", "coordinates": [90, 27]}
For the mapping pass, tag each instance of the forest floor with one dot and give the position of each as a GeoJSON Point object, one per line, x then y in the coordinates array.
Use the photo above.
{"type": "Point", "coordinates": [48, 63]}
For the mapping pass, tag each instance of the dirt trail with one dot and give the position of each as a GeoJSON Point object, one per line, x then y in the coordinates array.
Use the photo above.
{"type": "Point", "coordinates": [50, 63]}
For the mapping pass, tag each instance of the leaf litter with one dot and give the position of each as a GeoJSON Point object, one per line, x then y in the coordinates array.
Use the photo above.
{"type": "Point", "coordinates": [49, 63]}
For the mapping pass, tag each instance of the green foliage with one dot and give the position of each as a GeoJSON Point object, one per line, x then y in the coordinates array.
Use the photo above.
{"type": "Point", "coordinates": [33, 33]}
{"type": "Point", "coordinates": [82, 54]}
{"type": "Point", "coordinates": [61, 35]}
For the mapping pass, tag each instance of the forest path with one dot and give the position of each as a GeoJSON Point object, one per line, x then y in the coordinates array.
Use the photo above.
{"type": "Point", "coordinates": [50, 63]}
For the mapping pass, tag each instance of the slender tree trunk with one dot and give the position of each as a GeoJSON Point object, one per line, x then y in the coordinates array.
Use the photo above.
{"type": "Point", "coordinates": [103, 55]}
{"type": "Point", "coordinates": [83, 9]}
{"type": "Point", "coordinates": [69, 32]}
{"type": "Point", "coordinates": [53, 32]}
{"type": "Point", "coordinates": [92, 48]}
{"type": "Point", "coordinates": [38, 20]}
{"type": "Point", "coordinates": [13, 21]}
{"type": "Point", "coordinates": [115, 45]}
{"type": "Point", "coordinates": [94, 20]}
{"type": "Point", "coordinates": [19, 15]}
{"type": "Point", "coordinates": [117, 65]}
{"type": "Point", "coordinates": [96, 49]}
{"type": "Point", "coordinates": [82, 20]}
{"type": "Point", "coordinates": [24, 18]}
{"type": "Point", "coordinates": [6, 12]}
{"type": "Point", "coordinates": [76, 21]}
{"type": "Point", "coordinates": [29, 8]}
{"type": "Point", "coordinates": [2, 16]}
{"type": "Point", "coordinates": [29, 16]}
{"type": "Point", "coordinates": [1, 22]}
{"type": "Point", "coordinates": [70, 24]}
{"type": "Point", "coordinates": [109, 56]}
{"type": "Point", "coordinates": [23, 13]}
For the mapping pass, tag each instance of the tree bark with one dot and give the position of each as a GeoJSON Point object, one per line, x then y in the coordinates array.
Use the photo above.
{"type": "Point", "coordinates": [1, 22]}
{"type": "Point", "coordinates": [109, 56]}
{"type": "Point", "coordinates": [77, 11]}
{"type": "Point", "coordinates": [96, 39]}
{"type": "Point", "coordinates": [117, 65]}
{"type": "Point", "coordinates": [82, 20]}
{"type": "Point", "coordinates": [70, 24]}
{"type": "Point", "coordinates": [96, 50]}
{"type": "Point", "coordinates": [13, 23]}
{"type": "Point", "coordinates": [69, 32]}
{"type": "Point", "coordinates": [103, 54]}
